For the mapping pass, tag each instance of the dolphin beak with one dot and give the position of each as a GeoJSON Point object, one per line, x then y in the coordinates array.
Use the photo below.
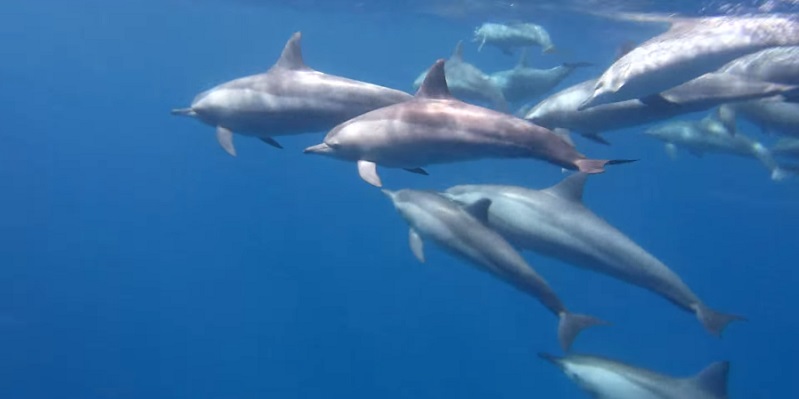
{"type": "Point", "coordinates": [321, 148]}
{"type": "Point", "coordinates": [550, 358]}
{"type": "Point", "coordinates": [184, 112]}
{"type": "Point", "coordinates": [388, 193]}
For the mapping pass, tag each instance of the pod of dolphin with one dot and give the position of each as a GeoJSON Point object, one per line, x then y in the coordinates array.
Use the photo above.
{"type": "Point", "coordinates": [741, 66]}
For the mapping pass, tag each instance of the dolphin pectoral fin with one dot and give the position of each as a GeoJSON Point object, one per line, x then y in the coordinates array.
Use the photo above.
{"type": "Point", "coordinates": [671, 150]}
{"type": "Point", "coordinates": [713, 321]}
{"type": "Point", "coordinates": [595, 137]}
{"type": "Point", "coordinates": [368, 172]}
{"type": "Point", "coordinates": [271, 141]}
{"type": "Point", "coordinates": [225, 138]}
{"type": "Point", "coordinates": [479, 209]}
{"type": "Point", "coordinates": [417, 246]}
{"type": "Point", "coordinates": [572, 324]}
{"type": "Point", "coordinates": [713, 379]}
{"type": "Point", "coordinates": [418, 171]}
{"type": "Point", "coordinates": [598, 165]}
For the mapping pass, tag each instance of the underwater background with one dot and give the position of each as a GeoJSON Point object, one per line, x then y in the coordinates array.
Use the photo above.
{"type": "Point", "coordinates": [141, 261]}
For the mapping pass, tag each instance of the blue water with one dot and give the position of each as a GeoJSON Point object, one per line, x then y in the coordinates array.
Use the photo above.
{"type": "Point", "coordinates": [141, 261]}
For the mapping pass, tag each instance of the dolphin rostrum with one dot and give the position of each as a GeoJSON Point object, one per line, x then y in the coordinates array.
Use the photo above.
{"type": "Point", "coordinates": [462, 232]}
{"type": "Point", "coordinates": [435, 127]}
{"type": "Point", "coordinates": [289, 98]}
{"type": "Point", "coordinates": [468, 83]}
{"type": "Point", "coordinates": [711, 135]}
{"type": "Point", "coordinates": [554, 222]}
{"type": "Point", "coordinates": [523, 83]}
{"type": "Point", "coordinates": [509, 37]}
{"type": "Point", "coordinates": [610, 379]}
{"type": "Point", "coordinates": [689, 49]}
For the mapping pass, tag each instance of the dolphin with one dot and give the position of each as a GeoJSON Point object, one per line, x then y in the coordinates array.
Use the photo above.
{"type": "Point", "coordinates": [689, 49]}
{"type": "Point", "coordinates": [289, 98]}
{"type": "Point", "coordinates": [523, 83]}
{"type": "Point", "coordinates": [562, 109]}
{"type": "Point", "coordinates": [462, 232]}
{"type": "Point", "coordinates": [509, 37]}
{"type": "Point", "coordinates": [610, 379]}
{"type": "Point", "coordinates": [435, 127]}
{"type": "Point", "coordinates": [711, 135]}
{"type": "Point", "coordinates": [468, 83]}
{"type": "Point", "coordinates": [554, 222]}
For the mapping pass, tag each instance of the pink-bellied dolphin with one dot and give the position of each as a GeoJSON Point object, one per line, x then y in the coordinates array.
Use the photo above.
{"type": "Point", "coordinates": [436, 128]}
{"type": "Point", "coordinates": [289, 98]}
{"type": "Point", "coordinates": [461, 231]}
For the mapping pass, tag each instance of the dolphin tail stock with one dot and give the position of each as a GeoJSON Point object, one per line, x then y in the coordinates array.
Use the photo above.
{"type": "Point", "coordinates": [571, 324]}
{"type": "Point", "coordinates": [183, 111]}
{"type": "Point", "coordinates": [714, 321]}
{"type": "Point", "coordinates": [598, 165]}
{"type": "Point", "coordinates": [764, 155]}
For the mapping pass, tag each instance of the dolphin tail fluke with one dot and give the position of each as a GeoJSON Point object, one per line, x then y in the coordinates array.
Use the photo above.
{"type": "Point", "coordinates": [592, 166]}
{"type": "Point", "coordinates": [713, 321]}
{"type": "Point", "coordinates": [571, 324]}
{"type": "Point", "coordinates": [183, 111]}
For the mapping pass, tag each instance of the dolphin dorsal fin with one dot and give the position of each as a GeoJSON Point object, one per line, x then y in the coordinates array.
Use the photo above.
{"type": "Point", "coordinates": [713, 379]}
{"type": "Point", "coordinates": [291, 57]}
{"type": "Point", "coordinates": [435, 83]}
{"type": "Point", "coordinates": [479, 209]}
{"type": "Point", "coordinates": [570, 188]}
{"type": "Point", "coordinates": [457, 54]}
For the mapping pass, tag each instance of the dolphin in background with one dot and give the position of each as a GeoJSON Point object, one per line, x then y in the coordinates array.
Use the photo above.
{"type": "Point", "coordinates": [512, 36]}
{"type": "Point", "coordinates": [555, 223]}
{"type": "Point", "coordinates": [523, 83]}
{"type": "Point", "coordinates": [690, 48]}
{"type": "Point", "coordinates": [289, 98]}
{"type": "Point", "coordinates": [468, 83]}
{"type": "Point", "coordinates": [462, 231]}
{"type": "Point", "coordinates": [711, 135]}
{"type": "Point", "coordinates": [604, 378]}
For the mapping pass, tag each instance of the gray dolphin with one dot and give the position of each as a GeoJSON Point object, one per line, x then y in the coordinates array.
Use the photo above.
{"type": "Point", "coordinates": [509, 37]}
{"type": "Point", "coordinates": [711, 135]}
{"type": "Point", "coordinates": [468, 83]}
{"type": "Point", "coordinates": [604, 378]}
{"type": "Point", "coordinates": [436, 128]}
{"type": "Point", "coordinates": [555, 223]}
{"type": "Point", "coordinates": [462, 232]}
{"type": "Point", "coordinates": [689, 49]}
{"type": "Point", "coordinates": [562, 109]}
{"type": "Point", "coordinates": [289, 98]}
{"type": "Point", "coordinates": [523, 83]}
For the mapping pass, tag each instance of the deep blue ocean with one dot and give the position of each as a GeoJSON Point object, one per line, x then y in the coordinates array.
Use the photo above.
{"type": "Point", "coordinates": [139, 260]}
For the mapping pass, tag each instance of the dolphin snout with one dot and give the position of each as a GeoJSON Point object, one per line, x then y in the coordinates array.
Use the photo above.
{"type": "Point", "coordinates": [321, 148]}
{"type": "Point", "coordinates": [550, 358]}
